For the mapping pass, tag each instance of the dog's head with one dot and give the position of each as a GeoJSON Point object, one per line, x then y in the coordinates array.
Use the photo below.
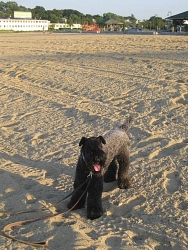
{"type": "Point", "coordinates": [93, 154]}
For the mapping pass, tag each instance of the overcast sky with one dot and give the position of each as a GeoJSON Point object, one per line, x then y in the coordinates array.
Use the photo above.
{"type": "Point", "coordinates": [141, 9]}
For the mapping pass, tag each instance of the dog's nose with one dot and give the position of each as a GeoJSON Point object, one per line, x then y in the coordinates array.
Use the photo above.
{"type": "Point", "coordinates": [97, 160]}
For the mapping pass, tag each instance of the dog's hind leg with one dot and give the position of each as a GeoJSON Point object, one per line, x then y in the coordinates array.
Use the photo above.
{"type": "Point", "coordinates": [110, 174]}
{"type": "Point", "coordinates": [124, 180]}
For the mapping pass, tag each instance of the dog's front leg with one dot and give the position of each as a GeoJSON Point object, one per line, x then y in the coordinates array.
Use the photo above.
{"type": "Point", "coordinates": [94, 200]}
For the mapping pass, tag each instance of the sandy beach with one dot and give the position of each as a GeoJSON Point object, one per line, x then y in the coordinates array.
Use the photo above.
{"type": "Point", "coordinates": [56, 88]}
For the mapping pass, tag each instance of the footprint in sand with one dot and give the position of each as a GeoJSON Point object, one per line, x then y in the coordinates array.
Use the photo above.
{"type": "Point", "coordinates": [114, 241]}
{"type": "Point", "coordinates": [13, 122]}
{"type": "Point", "coordinates": [37, 138]}
{"type": "Point", "coordinates": [172, 182]}
{"type": "Point", "coordinates": [172, 147]}
{"type": "Point", "coordinates": [129, 206]}
{"type": "Point", "coordinates": [183, 99]}
{"type": "Point", "coordinates": [183, 205]}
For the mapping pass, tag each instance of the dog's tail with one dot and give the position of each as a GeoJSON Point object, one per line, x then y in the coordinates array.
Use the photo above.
{"type": "Point", "coordinates": [125, 126]}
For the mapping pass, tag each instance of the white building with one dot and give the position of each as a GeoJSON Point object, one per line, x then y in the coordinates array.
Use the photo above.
{"type": "Point", "coordinates": [58, 26]}
{"type": "Point", "coordinates": [76, 26]}
{"type": "Point", "coordinates": [23, 24]}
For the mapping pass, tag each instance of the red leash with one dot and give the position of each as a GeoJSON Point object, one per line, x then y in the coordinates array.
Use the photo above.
{"type": "Point", "coordinates": [8, 228]}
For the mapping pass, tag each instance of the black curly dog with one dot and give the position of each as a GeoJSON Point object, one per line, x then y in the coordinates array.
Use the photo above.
{"type": "Point", "coordinates": [104, 157]}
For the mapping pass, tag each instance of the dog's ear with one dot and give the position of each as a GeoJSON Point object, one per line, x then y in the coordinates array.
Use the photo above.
{"type": "Point", "coordinates": [101, 139]}
{"type": "Point", "coordinates": [82, 141]}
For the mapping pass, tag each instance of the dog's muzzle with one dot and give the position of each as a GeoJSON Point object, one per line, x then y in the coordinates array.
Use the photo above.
{"type": "Point", "coordinates": [96, 167]}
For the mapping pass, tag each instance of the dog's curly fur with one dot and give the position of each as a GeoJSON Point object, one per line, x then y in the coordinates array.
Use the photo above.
{"type": "Point", "coordinates": [104, 157]}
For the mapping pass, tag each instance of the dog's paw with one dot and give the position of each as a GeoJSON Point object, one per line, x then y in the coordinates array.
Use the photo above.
{"type": "Point", "coordinates": [93, 215]}
{"type": "Point", "coordinates": [124, 183]}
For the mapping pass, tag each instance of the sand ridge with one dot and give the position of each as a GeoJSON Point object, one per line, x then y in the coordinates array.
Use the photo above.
{"type": "Point", "coordinates": [56, 88]}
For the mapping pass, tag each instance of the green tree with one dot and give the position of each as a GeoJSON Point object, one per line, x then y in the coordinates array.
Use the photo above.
{"type": "Point", "coordinates": [8, 8]}
{"type": "Point", "coordinates": [39, 12]}
{"type": "Point", "coordinates": [74, 18]}
{"type": "Point", "coordinates": [58, 14]}
{"type": "Point", "coordinates": [157, 23]}
{"type": "Point", "coordinates": [54, 18]}
{"type": "Point", "coordinates": [110, 15]}
{"type": "Point", "coordinates": [97, 18]}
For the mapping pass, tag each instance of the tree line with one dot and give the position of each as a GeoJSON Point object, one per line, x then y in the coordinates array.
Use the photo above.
{"type": "Point", "coordinates": [73, 16]}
